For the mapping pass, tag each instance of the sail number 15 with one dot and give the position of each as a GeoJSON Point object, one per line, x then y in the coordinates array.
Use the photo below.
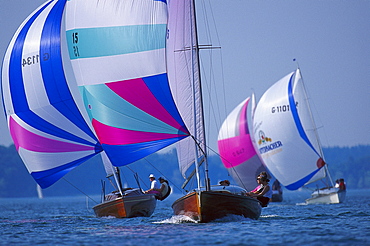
{"type": "Point", "coordinates": [75, 42]}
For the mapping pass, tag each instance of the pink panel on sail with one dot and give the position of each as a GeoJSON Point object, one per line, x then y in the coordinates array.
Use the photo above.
{"type": "Point", "coordinates": [33, 142]}
{"type": "Point", "coordinates": [242, 150]}
{"type": "Point", "coordinates": [236, 150]}
{"type": "Point", "coordinates": [138, 94]}
{"type": "Point", "coordinates": [116, 136]}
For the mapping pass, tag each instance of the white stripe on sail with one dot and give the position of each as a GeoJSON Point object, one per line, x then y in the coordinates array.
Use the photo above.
{"type": "Point", "coordinates": [37, 161]}
{"type": "Point", "coordinates": [130, 66]}
{"type": "Point", "coordinates": [100, 13]}
{"type": "Point", "coordinates": [230, 127]}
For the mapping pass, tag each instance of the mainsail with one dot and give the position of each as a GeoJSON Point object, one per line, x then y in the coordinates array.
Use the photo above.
{"type": "Point", "coordinates": [285, 134]}
{"type": "Point", "coordinates": [41, 99]}
{"type": "Point", "coordinates": [236, 148]}
{"type": "Point", "coordinates": [183, 72]}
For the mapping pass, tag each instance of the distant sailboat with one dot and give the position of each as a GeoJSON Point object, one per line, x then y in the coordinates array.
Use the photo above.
{"type": "Point", "coordinates": [112, 52]}
{"type": "Point", "coordinates": [39, 192]}
{"type": "Point", "coordinates": [287, 141]}
{"type": "Point", "coordinates": [204, 203]}
{"type": "Point", "coordinates": [236, 148]}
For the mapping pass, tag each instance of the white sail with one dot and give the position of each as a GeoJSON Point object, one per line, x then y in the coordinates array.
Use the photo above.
{"type": "Point", "coordinates": [183, 73]}
{"type": "Point", "coordinates": [285, 135]}
{"type": "Point", "coordinates": [236, 148]}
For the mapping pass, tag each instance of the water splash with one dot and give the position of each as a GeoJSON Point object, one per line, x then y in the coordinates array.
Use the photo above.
{"type": "Point", "coordinates": [177, 219]}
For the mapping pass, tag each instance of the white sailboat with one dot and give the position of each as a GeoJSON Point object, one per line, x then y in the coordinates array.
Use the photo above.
{"type": "Point", "coordinates": [287, 140]}
{"type": "Point", "coordinates": [203, 203]}
{"type": "Point", "coordinates": [40, 195]}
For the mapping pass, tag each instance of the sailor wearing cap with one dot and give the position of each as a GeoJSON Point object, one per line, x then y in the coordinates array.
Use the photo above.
{"type": "Point", "coordinates": [154, 186]}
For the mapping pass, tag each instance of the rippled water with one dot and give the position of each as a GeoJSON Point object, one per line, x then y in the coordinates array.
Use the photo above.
{"type": "Point", "coordinates": [71, 221]}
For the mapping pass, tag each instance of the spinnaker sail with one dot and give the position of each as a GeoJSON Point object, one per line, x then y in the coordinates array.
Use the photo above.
{"type": "Point", "coordinates": [285, 134]}
{"type": "Point", "coordinates": [118, 54]}
{"type": "Point", "coordinates": [41, 99]}
{"type": "Point", "coordinates": [236, 148]}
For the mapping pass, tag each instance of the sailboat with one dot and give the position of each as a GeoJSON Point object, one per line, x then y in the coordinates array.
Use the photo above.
{"type": "Point", "coordinates": [236, 148]}
{"type": "Point", "coordinates": [203, 203]}
{"type": "Point", "coordinates": [82, 78]}
{"type": "Point", "coordinates": [287, 140]}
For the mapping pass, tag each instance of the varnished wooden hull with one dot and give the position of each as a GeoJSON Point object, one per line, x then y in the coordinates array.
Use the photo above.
{"type": "Point", "coordinates": [131, 206]}
{"type": "Point", "coordinates": [214, 205]}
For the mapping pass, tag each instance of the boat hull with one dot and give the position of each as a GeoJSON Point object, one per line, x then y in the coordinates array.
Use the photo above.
{"type": "Point", "coordinates": [277, 197]}
{"type": "Point", "coordinates": [127, 207]}
{"type": "Point", "coordinates": [329, 198]}
{"type": "Point", "coordinates": [210, 205]}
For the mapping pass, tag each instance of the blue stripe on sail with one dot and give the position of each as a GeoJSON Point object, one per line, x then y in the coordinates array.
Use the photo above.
{"type": "Point", "coordinates": [160, 88]}
{"type": "Point", "coordinates": [295, 115]}
{"type": "Point", "coordinates": [134, 152]}
{"type": "Point", "coordinates": [158, 1]}
{"type": "Point", "coordinates": [17, 90]}
{"type": "Point", "coordinates": [15, 66]}
{"type": "Point", "coordinates": [298, 184]}
{"type": "Point", "coordinates": [116, 40]}
{"type": "Point", "coordinates": [49, 177]}
{"type": "Point", "coordinates": [53, 73]}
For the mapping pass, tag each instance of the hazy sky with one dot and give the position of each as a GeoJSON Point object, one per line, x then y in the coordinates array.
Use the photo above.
{"type": "Point", "coordinates": [259, 39]}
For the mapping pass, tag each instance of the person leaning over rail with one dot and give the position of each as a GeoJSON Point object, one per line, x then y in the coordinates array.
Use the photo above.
{"type": "Point", "coordinates": [263, 191]}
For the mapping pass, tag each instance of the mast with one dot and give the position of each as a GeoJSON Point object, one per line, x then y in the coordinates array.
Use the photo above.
{"type": "Point", "coordinates": [196, 49]}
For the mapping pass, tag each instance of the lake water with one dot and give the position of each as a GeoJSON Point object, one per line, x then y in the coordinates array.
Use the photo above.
{"type": "Point", "coordinates": [71, 221]}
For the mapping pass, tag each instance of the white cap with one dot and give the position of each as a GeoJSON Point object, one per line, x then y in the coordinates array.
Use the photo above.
{"type": "Point", "coordinates": [151, 176]}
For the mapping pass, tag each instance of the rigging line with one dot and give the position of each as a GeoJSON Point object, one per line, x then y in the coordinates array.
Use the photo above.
{"type": "Point", "coordinates": [143, 181]}
{"type": "Point", "coordinates": [80, 190]}
{"type": "Point", "coordinates": [163, 175]}
{"type": "Point", "coordinates": [124, 176]}
{"type": "Point", "coordinates": [221, 60]}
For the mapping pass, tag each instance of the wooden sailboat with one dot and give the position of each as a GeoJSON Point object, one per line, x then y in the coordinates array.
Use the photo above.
{"type": "Point", "coordinates": [204, 203]}
{"type": "Point", "coordinates": [83, 78]}
{"type": "Point", "coordinates": [288, 142]}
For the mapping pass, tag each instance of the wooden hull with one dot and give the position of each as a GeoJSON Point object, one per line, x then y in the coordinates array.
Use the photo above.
{"type": "Point", "coordinates": [214, 205]}
{"type": "Point", "coordinates": [334, 197]}
{"type": "Point", "coordinates": [127, 207]}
